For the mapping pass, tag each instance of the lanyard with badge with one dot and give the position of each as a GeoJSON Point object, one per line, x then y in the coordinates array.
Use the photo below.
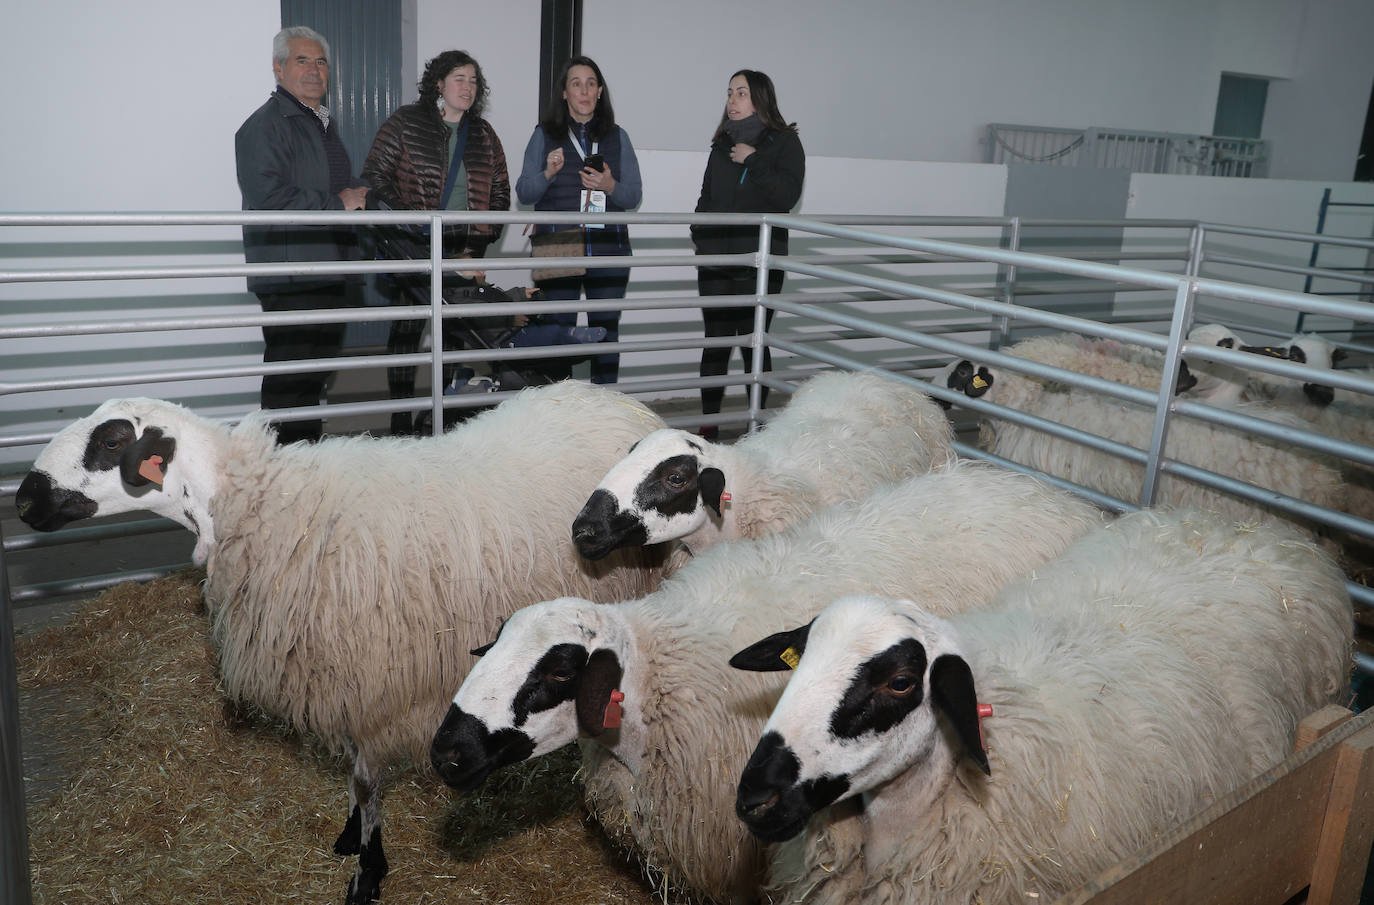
{"type": "Point", "coordinates": [592, 201]}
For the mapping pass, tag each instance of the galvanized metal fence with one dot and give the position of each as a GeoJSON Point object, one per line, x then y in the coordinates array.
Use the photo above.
{"type": "Point", "coordinates": [986, 316]}
{"type": "Point", "coordinates": [1131, 149]}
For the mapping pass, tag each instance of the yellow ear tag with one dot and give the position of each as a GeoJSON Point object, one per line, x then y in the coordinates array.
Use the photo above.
{"type": "Point", "coordinates": [790, 657]}
{"type": "Point", "coordinates": [978, 382]}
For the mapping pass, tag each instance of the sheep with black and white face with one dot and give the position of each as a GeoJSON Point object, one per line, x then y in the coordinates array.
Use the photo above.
{"type": "Point", "coordinates": [645, 684]}
{"type": "Point", "coordinates": [348, 578]}
{"type": "Point", "coordinates": [1160, 662]}
{"type": "Point", "coordinates": [842, 435]}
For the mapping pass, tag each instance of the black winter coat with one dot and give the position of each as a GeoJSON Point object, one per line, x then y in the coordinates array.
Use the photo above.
{"type": "Point", "coordinates": [769, 181]}
{"type": "Point", "coordinates": [280, 156]}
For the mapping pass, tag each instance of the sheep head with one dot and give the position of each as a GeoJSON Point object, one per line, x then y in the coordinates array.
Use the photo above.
{"type": "Point", "coordinates": [669, 486]}
{"type": "Point", "coordinates": [128, 455]}
{"type": "Point", "coordinates": [550, 673]}
{"type": "Point", "coordinates": [877, 682]}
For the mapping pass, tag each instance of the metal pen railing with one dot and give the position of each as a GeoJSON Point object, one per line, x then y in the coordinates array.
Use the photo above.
{"type": "Point", "coordinates": [995, 312]}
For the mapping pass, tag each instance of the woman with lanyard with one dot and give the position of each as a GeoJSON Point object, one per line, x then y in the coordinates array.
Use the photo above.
{"type": "Point", "coordinates": [756, 165]}
{"type": "Point", "coordinates": [579, 159]}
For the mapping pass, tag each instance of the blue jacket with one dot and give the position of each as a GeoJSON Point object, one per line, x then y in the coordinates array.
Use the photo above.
{"type": "Point", "coordinates": [563, 192]}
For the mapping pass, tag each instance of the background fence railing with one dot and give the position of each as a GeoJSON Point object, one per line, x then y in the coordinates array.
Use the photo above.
{"type": "Point", "coordinates": [1130, 149]}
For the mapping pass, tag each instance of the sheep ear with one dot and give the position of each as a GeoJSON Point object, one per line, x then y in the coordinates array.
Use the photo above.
{"type": "Point", "coordinates": [599, 678]}
{"type": "Point", "coordinates": [711, 483]}
{"type": "Point", "coordinates": [146, 459]}
{"type": "Point", "coordinates": [1318, 394]}
{"type": "Point", "coordinates": [1186, 380]}
{"type": "Point", "coordinates": [973, 381]}
{"type": "Point", "coordinates": [481, 651]}
{"type": "Point", "coordinates": [952, 691]}
{"type": "Point", "coordinates": [1270, 351]}
{"type": "Point", "coordinates": [774, 653]}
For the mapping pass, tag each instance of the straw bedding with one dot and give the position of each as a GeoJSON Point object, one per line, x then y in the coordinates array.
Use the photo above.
{"type": "Point", "coordinates": [172, 794]}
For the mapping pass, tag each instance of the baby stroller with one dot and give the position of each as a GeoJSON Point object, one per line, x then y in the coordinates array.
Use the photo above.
{"type": "Point", "coordinates": [405, 242]}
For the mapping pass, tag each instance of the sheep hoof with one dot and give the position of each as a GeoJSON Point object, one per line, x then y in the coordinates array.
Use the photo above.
{"type": "Point", "coordinates": [364, 888]}
{"type": "Point", "coordinates": [366, 885]}
{"type": "Point", "coordinates": [350, 840]}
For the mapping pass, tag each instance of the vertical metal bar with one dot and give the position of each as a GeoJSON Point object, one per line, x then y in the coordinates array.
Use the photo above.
{"type": "Point", "coordinates": [1316, 247]}
{"type": "Point", "coordinates": [760, 324]}
{"type": "Point", "coordinates": [14, 831]}
{"type": "Point", "coordinates": [1183, 315]}
{"type": "Point", "coordinates": [1003, 335]}
{"type": "Point", "coordinates": [436, 323]}
{"type": "Point", "coordinates": [1196, 239]}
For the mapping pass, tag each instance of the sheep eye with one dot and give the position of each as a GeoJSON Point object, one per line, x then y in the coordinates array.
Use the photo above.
{"type": "Point", "coordinates": [110, 444]}
{"type": "Point", "coordinates": [562, 675]}
{"type": "Point", "coordinates": [901, 684]}
{"type": "Point", "coordinates": [676, 480]}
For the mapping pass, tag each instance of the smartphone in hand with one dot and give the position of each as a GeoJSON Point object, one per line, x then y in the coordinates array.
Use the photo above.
{"type": "Point", "coordinates": [593, 162]}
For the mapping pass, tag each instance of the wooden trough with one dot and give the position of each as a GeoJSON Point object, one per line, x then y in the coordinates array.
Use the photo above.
{"type": "Point", "coordinates": [1305, 824]}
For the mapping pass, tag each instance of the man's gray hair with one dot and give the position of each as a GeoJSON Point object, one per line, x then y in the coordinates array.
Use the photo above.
{"type": "Point", "coordinates": [281, 48]}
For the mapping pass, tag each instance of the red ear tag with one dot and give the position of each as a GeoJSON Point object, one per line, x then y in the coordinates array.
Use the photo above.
{"type": "Point", "coordinates": [725, 497]}
{"type": "Point", "coordinates": [151, 468]}
{"type": "Point", "coordinates": [611, 719]}
{"type": "Point", "coordinates": [984, 710]}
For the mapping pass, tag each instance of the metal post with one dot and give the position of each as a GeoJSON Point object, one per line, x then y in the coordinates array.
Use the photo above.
{"type": "Point", "coordinates": [760, 324]}
{"type": "Point", "coordinates": [14, 832]}
{"type": "Point", "coordinates": [436, 324]}
{"type": "Point", "coordinates": [1196, 237]}
{"type": "Point", "coordinates": [1316, 247]}
{"type": "Point", "coordinates": [1183, 315]}
{"type": "Point", "coordinates": [1003, 336]}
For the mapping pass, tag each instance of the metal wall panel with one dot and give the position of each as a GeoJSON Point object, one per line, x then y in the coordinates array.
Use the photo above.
{"type": "Point", "coordinates": [365, 81]}
{"type": "Point", "coordinates": [365, 87]}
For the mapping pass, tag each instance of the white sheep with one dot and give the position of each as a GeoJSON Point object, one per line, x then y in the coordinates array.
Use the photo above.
{"type": "Point", "coordinates": [1255, 460]}
{"type": "Point", "coordinates": [663, 782]}
{"type": "Point", "coordinates": [349, 578]}
{"type": "Point", "coordinates": [1159, 663]}
{"type": "Point", "coordinates": [1336, 412]}
{"type": "Point", "coordinates": [842, 434]}
{"type": "Point", "coordinates": [1109, 359]}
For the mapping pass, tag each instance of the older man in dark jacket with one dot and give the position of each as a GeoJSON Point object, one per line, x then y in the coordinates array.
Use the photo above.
{"type": "Point", "coordinates": [289, 157]}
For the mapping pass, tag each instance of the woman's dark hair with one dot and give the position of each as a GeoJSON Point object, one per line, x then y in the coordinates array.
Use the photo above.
{"type": "Point", "coordinates": [555, 119]}
{"type": "Point", "coordinates": [437, 69]}
{"type": "Point", "coordinates": [765, 101]}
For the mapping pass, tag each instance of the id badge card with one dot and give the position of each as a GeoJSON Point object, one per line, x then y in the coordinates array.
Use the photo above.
{"type": "Point", "coordinates": [594, 202]}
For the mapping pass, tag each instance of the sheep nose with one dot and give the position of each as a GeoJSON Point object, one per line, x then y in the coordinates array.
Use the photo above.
{"type": "Point", "coordinates": [752, 805]}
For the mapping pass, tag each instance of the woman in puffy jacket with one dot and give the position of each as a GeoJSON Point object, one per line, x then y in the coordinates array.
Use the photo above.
{"type": "Point", "coordinates": [438, 154]}
{"type": "Point", "coordinates": [756, 165]}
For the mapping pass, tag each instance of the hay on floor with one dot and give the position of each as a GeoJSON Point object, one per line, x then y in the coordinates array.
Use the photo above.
{"type": "Point", "coordinates": [169, 793]}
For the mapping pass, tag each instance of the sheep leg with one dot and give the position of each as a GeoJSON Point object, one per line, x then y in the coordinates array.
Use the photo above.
{"type": "Point", "coordinates": [350, 841]}
{"type": "Point", "coordinates": [365, 789]}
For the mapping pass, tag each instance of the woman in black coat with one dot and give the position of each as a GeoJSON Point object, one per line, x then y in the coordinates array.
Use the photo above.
{"type": "Point", "coordinates": [756, 165]}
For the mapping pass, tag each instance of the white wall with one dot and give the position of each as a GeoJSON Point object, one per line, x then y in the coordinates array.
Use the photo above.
{"type": "Point", "coordinates": [113, 111]}
{"type": "Point", "coordinates": [1313, 118]}
{"type": "Point", "coordinates": [920, 81]}
{"type": "Point", "coordinates": [135, 108]}
{"type": "Point", "coordinates": [504, 38]}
